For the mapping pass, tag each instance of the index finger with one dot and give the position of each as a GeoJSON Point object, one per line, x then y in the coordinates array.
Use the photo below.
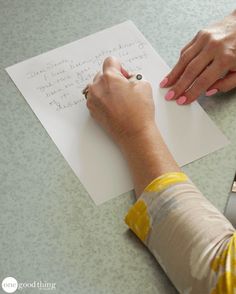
{"type": "Point", "coordinates": [187, 55]}
{"type": "Point", "coordinates": [112, 63]}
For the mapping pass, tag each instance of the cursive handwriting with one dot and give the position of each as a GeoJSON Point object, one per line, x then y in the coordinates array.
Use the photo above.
{"type": "Point", "coordinates": [60, 81]}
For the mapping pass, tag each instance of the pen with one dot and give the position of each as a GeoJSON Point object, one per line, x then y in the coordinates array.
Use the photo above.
{"type": "Point", "coordinates": [135, 78]}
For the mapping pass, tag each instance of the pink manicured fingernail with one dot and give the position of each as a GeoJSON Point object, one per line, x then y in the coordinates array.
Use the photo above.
{"type": "Point", "coordinates": [163, 82]}
{"type": "Point", "coordinates": [211, 92]}
{"type": "Point", "coordinates": [181, 100]}
{"type": "Point", "coordinates": [169, 95]}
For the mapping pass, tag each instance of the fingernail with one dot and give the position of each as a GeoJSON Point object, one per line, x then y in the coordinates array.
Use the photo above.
{"type": "Point", "coordinates": [211, 92]}
{"type": "Point", "coordinates": [163, 82]}
{"type": "Point", "coordinates": [181, 100]}
{"type": "Point", "coordinates": [169, 95]}
{"type": "Point", "coordinates": [124, 72]}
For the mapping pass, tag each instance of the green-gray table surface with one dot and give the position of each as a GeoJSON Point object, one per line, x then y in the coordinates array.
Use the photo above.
{"type": "Point", "coordinates": [50, 228]}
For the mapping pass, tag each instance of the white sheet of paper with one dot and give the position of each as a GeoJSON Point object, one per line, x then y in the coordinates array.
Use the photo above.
{"type": "Point", "coordinates": [52, 82]}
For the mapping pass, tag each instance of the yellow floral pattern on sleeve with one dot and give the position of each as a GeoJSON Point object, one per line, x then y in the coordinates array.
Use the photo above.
{"type": "Point", "coordinates": [225, 266]}
{"type": "Point", "coordinates": [161, 183]}
{"type": "Point", "coordinates": [171, 210]}
{"type": "Point", "coordinates": [138, 218]}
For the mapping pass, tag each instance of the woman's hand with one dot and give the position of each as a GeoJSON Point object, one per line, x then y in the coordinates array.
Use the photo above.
{"type": "Point", "coordinates": [125, 109]}
{"type": "Point", "coordinates": [206, 65]}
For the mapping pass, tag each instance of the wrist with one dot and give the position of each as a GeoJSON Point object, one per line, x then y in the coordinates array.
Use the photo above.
{"type": "Point", "coordinates": [144, 137]}
{"type": "Point", "coordinates": [148, 157]}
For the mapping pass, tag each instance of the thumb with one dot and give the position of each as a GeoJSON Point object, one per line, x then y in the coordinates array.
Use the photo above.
{"type": "Point", "coordinates": [111, 63]}
{"type": "Point", "coordinates": [223, 85]}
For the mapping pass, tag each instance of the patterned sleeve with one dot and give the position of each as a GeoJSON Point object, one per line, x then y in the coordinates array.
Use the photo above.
{"type": "Point", "coordinates": [193, 242]}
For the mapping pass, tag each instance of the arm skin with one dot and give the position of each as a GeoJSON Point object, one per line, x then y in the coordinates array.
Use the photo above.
{"type": "Point", "coordinates": [189, 237]}
{"type": "Point", "coordinates": [148, 158]}
{"type": "Point", "coordinates": [126, 111]}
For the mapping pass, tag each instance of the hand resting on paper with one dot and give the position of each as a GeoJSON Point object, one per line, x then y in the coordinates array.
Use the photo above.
{"type": "Point", "coordinates": [171, 216]}
{"type": "Point", "coordinates": [207, 64]}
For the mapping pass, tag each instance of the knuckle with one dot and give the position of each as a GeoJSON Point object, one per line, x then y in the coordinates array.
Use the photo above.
{"type": "Point", "coordinates": [107, 75]}
{"type": "Point", "coordinates": [89, 103]}
{"type": "Point", "coordinates": [229, 57]}
{"type": "Point", "coordinates": [226, 60]}
{"type": "Point", "coordinates": [204, 33]}
{"type": "Point", "coordinates": [213, 43]}
{"type": "Point", "coordinates": [200, 33]}
{"type": "Point", "coordinates": [92, 90]}
{"type": "Point", "coordinates": [143, 85]}
{"type": "Point", "coordinates": [184, 58]}
{"type": "Point", "coordinates": [182, 51]}
{"type": "Point", "coordinates": [146, 84]}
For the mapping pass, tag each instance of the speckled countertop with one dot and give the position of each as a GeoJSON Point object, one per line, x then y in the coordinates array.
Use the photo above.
{"type": "Point", "coordinates": [50, 229]}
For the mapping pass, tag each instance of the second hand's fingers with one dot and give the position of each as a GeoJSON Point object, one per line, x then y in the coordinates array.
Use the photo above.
{"type": "Point", "coordinates": [186, 57]}
{"type": "Point", "coordinates": [223, 85]}
{"type": "Point", "coordinates": [189, 44]}
{"type": "Point", "coordinates": [202, 83]}
{"type": "Point", "coordinates": [179, 68]}
{"type": "Point", "coordinates": [191, 72]}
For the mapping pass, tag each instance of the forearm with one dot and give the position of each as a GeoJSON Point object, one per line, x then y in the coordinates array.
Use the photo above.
{"type": "Point", "coordinates": [148, 157]}
{"type": "Point", "coordinates": [190, 238]}
{"type": "Point", "coordinates": [193, 242]}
